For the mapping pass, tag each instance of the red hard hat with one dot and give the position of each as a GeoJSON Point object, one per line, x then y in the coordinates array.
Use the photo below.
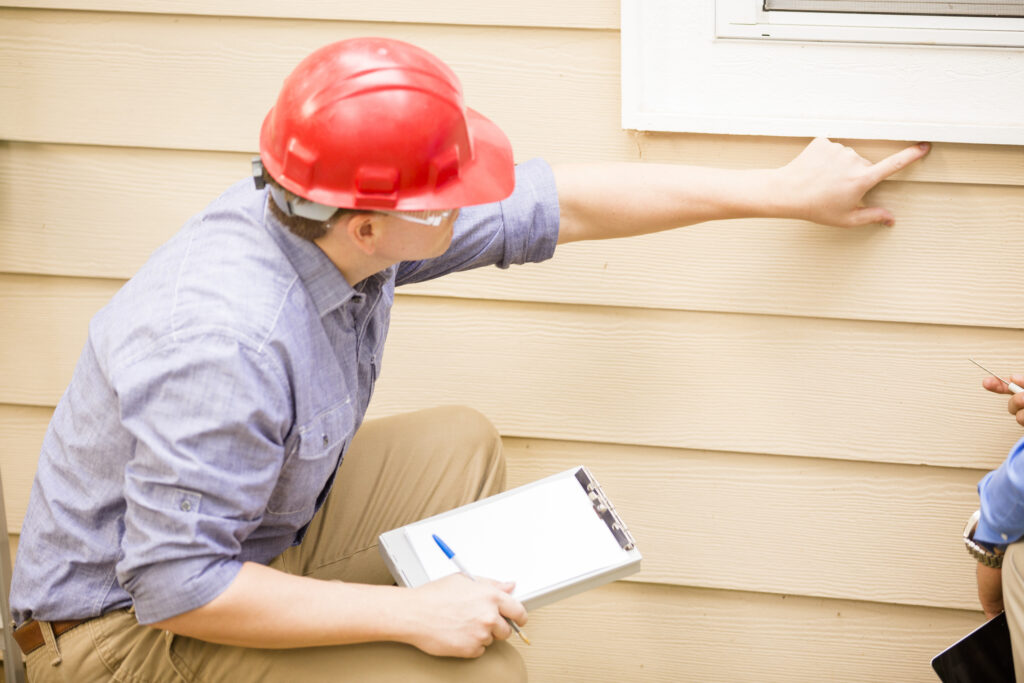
{"type": "Point", "coordinates": [374, 123]}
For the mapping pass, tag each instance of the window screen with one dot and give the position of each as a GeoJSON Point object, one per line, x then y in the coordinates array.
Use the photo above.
{"type": "Point", "coordinates": [974, 8]}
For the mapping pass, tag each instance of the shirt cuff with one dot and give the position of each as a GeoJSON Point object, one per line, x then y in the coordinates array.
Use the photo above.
{"type": "Point", "coordinates": [531, 215]}
{"type": "Point", "coordinates": [1002, 501]}
{"type": "Point", "coordinates": [167, 589]}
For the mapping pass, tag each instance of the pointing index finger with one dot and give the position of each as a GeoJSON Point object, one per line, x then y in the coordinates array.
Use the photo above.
{"type": "Point", "coordinates": [897, 162]}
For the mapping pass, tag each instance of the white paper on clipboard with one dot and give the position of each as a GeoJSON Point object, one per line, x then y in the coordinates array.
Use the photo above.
{"type": "Point", "coordinates": [553, 538]}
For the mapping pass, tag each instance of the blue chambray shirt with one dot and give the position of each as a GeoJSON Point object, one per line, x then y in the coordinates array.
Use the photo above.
{"type": "Point", "coordinates": [214, 400]}
{"type": "Point", "coordinates": [1002, 500]}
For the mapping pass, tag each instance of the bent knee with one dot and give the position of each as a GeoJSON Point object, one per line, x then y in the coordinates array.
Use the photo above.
{"type": "Point", "coordinates": [471, 424]}
{"type": "Point", "coordinates": [503, 663]}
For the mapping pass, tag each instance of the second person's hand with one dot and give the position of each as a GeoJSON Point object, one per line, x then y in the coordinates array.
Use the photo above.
{"type": "Point", "coordinates": [1015, 406]}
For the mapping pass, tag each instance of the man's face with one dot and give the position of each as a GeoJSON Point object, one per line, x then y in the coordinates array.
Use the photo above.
{"type": "Point", "coordinates": [409, 241]}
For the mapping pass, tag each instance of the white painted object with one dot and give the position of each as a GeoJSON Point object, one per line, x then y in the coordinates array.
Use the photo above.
{"type": "Point", "coordinates": [718, 67]}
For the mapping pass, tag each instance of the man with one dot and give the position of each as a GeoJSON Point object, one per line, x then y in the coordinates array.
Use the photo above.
{"type": "Point", "coordinates": [993, 533]}
{"type": "Point", "coordinates": [203, 473]}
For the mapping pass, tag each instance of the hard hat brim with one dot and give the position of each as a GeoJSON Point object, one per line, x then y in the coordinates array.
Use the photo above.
{"type": "Point", "coordinates": [489, 176]}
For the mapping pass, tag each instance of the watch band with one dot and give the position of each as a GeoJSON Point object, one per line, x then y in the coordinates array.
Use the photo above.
{"type": "Point", "coordinates": [988, 556]}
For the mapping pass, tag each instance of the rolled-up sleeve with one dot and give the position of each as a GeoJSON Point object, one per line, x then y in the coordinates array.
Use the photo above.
{"type": "Point", "coordinates": [520, 229]}
{"type": "Point", "coordinates": [1002, 501]}
{"type": "Point", "coordinates": [209, 415]}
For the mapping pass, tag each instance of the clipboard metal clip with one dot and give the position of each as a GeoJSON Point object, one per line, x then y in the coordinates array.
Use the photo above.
{"type": "Point", "coordinates": [604, 509]}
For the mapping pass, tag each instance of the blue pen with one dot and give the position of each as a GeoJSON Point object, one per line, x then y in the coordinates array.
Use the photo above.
{"type": "Point", "coordinates": [450, 554]}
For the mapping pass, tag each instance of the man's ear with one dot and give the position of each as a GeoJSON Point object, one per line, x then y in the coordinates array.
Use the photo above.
{"type": "Point", "coordinates": [364, 231]}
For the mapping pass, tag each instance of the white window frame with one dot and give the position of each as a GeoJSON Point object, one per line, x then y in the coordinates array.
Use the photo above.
{"type": "Point", "coordinates": [693, 66]}
{"type": "Point", "coordinates": [747, 19]}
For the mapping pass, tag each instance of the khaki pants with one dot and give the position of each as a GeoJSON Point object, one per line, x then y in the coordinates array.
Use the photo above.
{"type": "Point", "coordinates": [1013, 602]}
{"type": "Point", "coordinates": [397, 470]}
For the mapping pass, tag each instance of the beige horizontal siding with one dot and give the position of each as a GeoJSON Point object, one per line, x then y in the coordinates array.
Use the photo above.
{"type": "Point", "coordinates": [762, 384]}
{"type": "Point", "coordinates": [934, 266]}
{"type": "Point", "coordinates": [634, 632]}
{"type": "Point", "coordinates": [191, 82]}
{"type": "Point", "coordinates": [100, 211]}
{"type": "Point", "coordinates": [945, 163]}
{"type": "Point", "coordinates": [783, 413]}
{"type": "Point", "coordinates": [762, 523]}
{"type": "Point", "coordinates": [780, 524]}
{"type": "Point", "coordinates": [206, 83]}
{"type": "Point", "coordinates": [45, 325]}
{"type": "Point", "coordinates": [21, 434]}
{"type": "Point", "coordinates": [565, 13]}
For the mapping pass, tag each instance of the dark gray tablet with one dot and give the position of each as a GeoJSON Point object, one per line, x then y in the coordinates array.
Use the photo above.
{"type": "Point", "coordinates": [983, 655]}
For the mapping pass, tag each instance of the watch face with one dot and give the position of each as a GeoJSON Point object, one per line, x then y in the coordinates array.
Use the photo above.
{"type": "Point", "coordinates": [989, 554]}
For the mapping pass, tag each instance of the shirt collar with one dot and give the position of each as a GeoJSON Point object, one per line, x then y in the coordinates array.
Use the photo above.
{"type": "Point", "coordinates": [326, 285]}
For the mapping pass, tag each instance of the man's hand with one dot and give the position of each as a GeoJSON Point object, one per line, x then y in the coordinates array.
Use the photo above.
{"type": "Point", "coordinates": [990, 590]}
{"type": "Point", "coordinates": [1016, 404]}
{"type": "Point", "coordinates": [459, 617]}
{"type": "Point", "coordinates": [827, 182]}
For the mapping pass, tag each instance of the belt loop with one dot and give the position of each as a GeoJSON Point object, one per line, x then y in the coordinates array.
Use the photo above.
{"type": "Point", "coordinates": [51, 642]}
{"type": "Point", "coordinates": [174, 659]}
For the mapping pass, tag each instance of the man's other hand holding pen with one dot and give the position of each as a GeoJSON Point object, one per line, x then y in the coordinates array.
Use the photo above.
{"type": "Point", "coordinates": [463, 616]}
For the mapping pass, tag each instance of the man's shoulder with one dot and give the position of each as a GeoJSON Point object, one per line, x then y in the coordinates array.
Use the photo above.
{"type": "Point", "coordinates": [232, 270]}
{"type": "Point", "coordinates": [223, 272]}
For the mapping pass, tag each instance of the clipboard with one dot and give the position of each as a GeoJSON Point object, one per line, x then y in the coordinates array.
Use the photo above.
{"type": "Point", "coordinates": [555, 537]}
{"type": "Point", "coordinates": [982, 656]}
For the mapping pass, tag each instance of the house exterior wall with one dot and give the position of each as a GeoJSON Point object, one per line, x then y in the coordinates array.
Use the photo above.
{"type": "Point", "coordinates": [784, 413]}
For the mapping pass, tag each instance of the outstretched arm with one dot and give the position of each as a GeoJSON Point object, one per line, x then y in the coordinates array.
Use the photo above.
{"type": "Point", "coordinates": [825, 184]}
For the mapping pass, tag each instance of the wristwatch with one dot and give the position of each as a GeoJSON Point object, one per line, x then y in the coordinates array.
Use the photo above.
{"type": "Point", "coordinates": [988, 554]}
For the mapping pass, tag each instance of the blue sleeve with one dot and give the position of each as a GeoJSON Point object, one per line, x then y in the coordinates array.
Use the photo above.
{"type": "Point", "coordinates": [520, 229]}
{"type": "Point", "coordinates": [209, 416]}
{"type": "Point", "coordinates": [1002, 501]}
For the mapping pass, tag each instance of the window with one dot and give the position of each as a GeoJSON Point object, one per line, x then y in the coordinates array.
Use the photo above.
{"type": "Point", "coordinates": [966, 8]}
{"type": "Point", "coordinates": [900, 69]}
{"type": "Point", "coordinates": [910, 22]}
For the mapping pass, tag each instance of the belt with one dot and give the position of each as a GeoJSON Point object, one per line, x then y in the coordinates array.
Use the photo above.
{"type": "Point", "coordinates": [30, 634]}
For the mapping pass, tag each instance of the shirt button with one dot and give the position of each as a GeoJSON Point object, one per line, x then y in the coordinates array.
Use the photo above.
{"type": "Point", "coordinates": [326, 441]}
{"type": "Point", "coordinates": [186, 506]}
{"type": "Point", "coordinates": [1005, 537]}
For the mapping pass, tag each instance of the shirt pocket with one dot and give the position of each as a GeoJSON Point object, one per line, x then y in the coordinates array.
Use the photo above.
{"type": "Point", "coordinates": [310, 464]}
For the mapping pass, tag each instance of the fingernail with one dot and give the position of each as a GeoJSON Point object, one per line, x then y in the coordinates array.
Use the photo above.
{"type": "Point", "coordinates": [925, 146]}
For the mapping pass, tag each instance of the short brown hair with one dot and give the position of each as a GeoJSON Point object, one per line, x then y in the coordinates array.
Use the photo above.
{"type": "Point", "coordinates": [306, 228]}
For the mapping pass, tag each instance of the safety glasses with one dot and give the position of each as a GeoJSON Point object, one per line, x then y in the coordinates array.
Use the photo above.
{"type": "Point", "coordinates": [434, 218]}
